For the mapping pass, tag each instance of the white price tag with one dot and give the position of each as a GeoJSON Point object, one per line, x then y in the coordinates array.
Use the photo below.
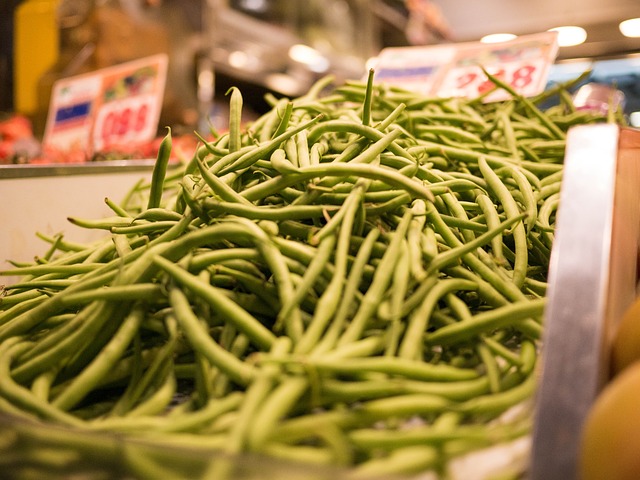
{"type": "Point", "coordinates": [108, 108]}
{"type": "Point", "coordinates": [457, 70]}
{"type": "Point", "coordinates": [127, 121]}
{"type": "Point", "coordinates": [472, 82]}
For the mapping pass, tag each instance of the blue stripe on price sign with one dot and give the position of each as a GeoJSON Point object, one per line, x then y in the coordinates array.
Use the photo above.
{"type": "Point", "coordinates": [405, 72]}
{"type": "Point", "coordinates": [73, 112]}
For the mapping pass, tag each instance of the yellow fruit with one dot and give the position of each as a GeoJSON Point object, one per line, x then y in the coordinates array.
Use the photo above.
{"type": "Point", "coordinates": [626, 342]}
{"type": "Point", "coordinates": [610, 446]}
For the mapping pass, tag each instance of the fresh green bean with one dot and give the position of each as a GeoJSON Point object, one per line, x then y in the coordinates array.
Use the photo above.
{"type": "Point", "coordinates": [243, 321]}
{"type": "Point", "coordinates": [484, 321]}
{"type": "Point", "coordinates": [91, 375]}
{"type": "Point", "coordinates": [21, 396]}
{"type": "Point", "coordinates": [160, 171]}
{"type": "Point", "coordinates": [512, 211]}
{"type": "Point", "coordinates": [411, 346]}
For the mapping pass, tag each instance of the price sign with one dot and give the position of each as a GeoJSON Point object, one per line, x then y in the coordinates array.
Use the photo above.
{"type": "Point", "coordinates": [108, 108]}
{"type": "Point", "coordinates": [458, 70]}
{"type": "Point", "coordinates": [127, 121]}
{"type": "Point", "coordinates": [471, 81]}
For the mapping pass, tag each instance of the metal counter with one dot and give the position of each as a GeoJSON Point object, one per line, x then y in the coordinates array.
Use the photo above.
{"type": "Point", "coordinates": [66, 169]}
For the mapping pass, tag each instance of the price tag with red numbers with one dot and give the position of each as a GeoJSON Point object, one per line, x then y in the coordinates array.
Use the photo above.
{"type": "Point", "coordinates": [472, 81]}
{"type": "Point", "coordinates": [522, 63]}
{"type": "Point", "coordinates": [110, 109]}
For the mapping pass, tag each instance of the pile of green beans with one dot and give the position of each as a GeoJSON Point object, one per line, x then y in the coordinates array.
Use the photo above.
{"type": "Point", "coordinates": [357, 278]}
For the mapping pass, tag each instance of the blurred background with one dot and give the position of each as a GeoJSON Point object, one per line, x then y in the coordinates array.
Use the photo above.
{"type": "Point", "coordinates": [281, 47]}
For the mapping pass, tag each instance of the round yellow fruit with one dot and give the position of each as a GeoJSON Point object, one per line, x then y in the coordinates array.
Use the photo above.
{"type": "Point", "coordinates": [626, 342]}
{"type": "Point", "coordinates": [610, 445]}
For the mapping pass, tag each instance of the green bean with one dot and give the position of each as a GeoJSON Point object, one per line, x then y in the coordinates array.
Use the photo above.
{"type": "Point", "coordinates": [527, 356]}
{"type": "Point", "coordinates": [117, 209]}
{"type": "Point", "coordinates": [158, 214]}
{"type": "Point", "coordinates": [512, 210]}
{"type": "Point", "coordinates": [199, 338]}
{"type": "Point", "coordinates": [454, 133]}
{"type": "Point", "coordinates": [493, 221]}
{"type": "Point", "coordinates": [158, 401]}
{"type": "Point", "coordinates": [368, 98]}
{"type": "Point", "coordinates": [348, 207]}
{"type": "Point", "coordinates": [528, 197]}
{"type": "Point", "coordinates": [302, 149]}
{"type": "Point", "coordinates": [400, 287]}
{"type": "Point", "coordinates": [106, 223]}
{"type": "Point", "coordinates": [428, 435]}
{"type": "Point", "coordinates": [280, 271]}
{"type": "Point", "coordinates": [152, 227]}
{"type": "Point", "coordinates": [186, 422]}
{"type": "Point", "coordinates": [97, 314]}
{"type": "Point", "coordinates": [243, 321]}
{"type": "Point", "coordinates": [468, 155]}
{"type": "Point", "coordinates": [370, 133]}
{"type": "Point", "coordinates": [210, 147]}
{"type": "Point", "coordinates": [445, 259]}
{"type": "Point", "coordinates": [284, 120]}
{"type": "Point", "coordinates": [351, 287]}
{"type": "Point", "coordinates": [21, 396]}
{"type": "Point", "coordinates": [41, 386]}
{"type": "Point", "coordinates": [491, 367]}
{"type": "Point", "coordinates": [401, 461]}
{"type": "Point", "coordinates": [219, 187]}
{"type": "Point", "coordinates": [263, 127]}
{"type": "Point", "coordinates": [408, 368]}
{"type": "Point", "coordinates": [318, 263]}
{"type": "Point", "coordinates": [544, 119]}
{"type": "Point", "coordinates": [204, 259]}
{"type": "Point", "coordinates": [128, 292]}
{"type": "Point", "coordinates": [315, 90]}
{"type": "Point", "coordinates": [411, 346]}
{"type": "Point", "coordinates": [275, 406]}
{"type": "Point", "coordinates": [254, 154]}
{"type": "Point", "coordinates": [328, 302]}
{"type": "Point", "coordinates": [484, 321]}
{"type": "Point", "coordinates": [405, 405]}
{"type": "Point", "coordinates": [494, 281]}
{"type": "Point", "coordinates": [381, 279]}
{"type": "Point", "coordinates": [22, 306]}
{"type": "Point", "coordinates": [561, 86]}
{"type": "Point", "coordinates": [281, 163]}
{"type": "Point", "coordinates": [311, 455]}
{"type": "Point", "coordinates": [92, 374]}
{"type": "Point", "coordinates": [155, 361]}
{"type": "Point", "coordinates": [160, 171]}
{"type": "Point", "coordinates": [502, 351]}
{"type": "Point", "coordinates": [494, 403]}
{"type": "Point", "coordinates": [235, 118]}
{"type": "Point", "coordinates": [255, 394]}
{"type": "Point", "coordinates": [371, 345]}
{"type": "Point", "coordinates": [462, 119]}
{"type": "Point", "coordinates": [503, 116]}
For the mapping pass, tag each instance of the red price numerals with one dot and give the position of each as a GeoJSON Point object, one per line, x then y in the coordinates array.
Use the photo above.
{"type": "Point", "coordinates": [466, 79]}
{"type": "Point", "coordinates": [518, 78]}
{"type": "Point", "coordinates": [118, 124]}
{"type": "Point", "coordinates": [523, 76]}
